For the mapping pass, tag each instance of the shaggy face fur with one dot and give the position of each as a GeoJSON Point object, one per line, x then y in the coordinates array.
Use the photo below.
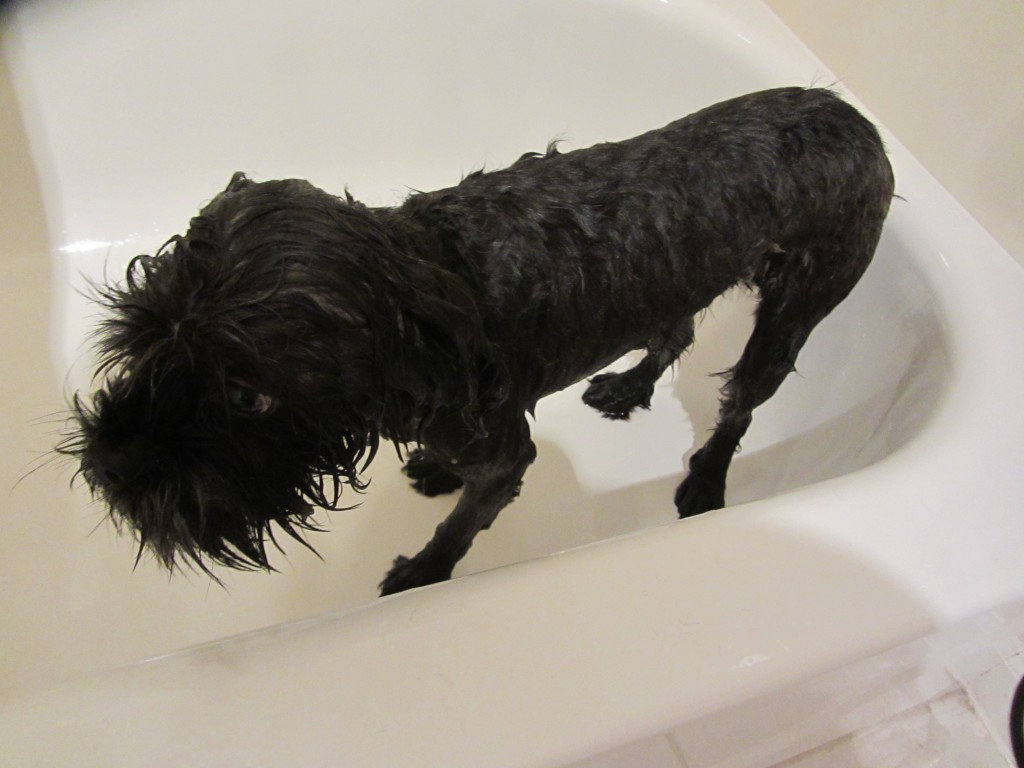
{"type": "Point", "coordinates": [254, 364]}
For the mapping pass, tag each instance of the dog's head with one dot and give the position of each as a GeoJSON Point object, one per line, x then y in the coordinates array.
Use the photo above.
{"type": "Point", "coordinates": [250, 368]}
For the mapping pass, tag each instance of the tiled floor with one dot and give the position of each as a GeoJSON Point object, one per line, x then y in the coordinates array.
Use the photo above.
{"type": "Point", "coordinates": [940, 701]}
{"type": "Point", "coordinates": [944, 732]}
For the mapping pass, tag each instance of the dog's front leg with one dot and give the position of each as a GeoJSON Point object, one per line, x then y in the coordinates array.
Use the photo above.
{"type": "Point", "coordinates": [492, 478]}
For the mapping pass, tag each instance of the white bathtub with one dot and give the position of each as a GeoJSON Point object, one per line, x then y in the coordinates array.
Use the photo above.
{"type": "Point", "coordinates": [878, 496]}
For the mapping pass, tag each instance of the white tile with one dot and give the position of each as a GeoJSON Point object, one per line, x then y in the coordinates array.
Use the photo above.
{"type": "Point", "coordinates": [945, 733]}
{"type": "Point", "coordinates": [650, 753]}
{"type": "Point", "coordinates": [774, 728]}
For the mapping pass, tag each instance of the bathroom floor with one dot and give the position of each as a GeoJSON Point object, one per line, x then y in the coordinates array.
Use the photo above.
{"type": "Point", "coordinates": [938, 701]}
{"type": "Point", "coordinates": [946, 731]}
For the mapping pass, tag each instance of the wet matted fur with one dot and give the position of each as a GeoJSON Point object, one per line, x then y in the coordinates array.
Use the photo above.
{"type": "Point", "coordinates": [252, 366]}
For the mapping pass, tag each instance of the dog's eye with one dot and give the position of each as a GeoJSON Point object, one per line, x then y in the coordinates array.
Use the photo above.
{"type": "Point", "coordinates": [247, 401]}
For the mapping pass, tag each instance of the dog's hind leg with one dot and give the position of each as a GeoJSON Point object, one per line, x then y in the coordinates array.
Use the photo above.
{"type": "Point", "coordinates": [428, 476]}
{"type": "Point", "coordinates": [798, 289]}
{"type": "Point", "coordinates": [617, 394]}
{"type": "Point", "coordinates": [492, 478]}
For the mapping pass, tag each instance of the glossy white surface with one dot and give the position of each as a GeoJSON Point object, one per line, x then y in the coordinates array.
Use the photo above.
{"type": "Point", "coordinates": [878, 495]}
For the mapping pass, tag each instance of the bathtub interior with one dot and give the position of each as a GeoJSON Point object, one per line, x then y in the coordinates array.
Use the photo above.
{"type": "Point", "coordinates": [130, 133]}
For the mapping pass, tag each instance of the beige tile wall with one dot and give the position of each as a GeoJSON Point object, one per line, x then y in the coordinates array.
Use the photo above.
{"type": "Point", "coordinates": [947, 78]}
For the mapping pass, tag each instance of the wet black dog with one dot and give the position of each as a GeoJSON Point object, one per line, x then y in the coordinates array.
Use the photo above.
{"type": "Point", "coordinates": [253, 365]}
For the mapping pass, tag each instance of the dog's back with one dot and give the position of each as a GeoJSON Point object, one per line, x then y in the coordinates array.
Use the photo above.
{"type": "Point", "coordinates": [599, 250]}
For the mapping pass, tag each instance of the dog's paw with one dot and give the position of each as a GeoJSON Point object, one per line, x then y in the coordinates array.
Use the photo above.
{"type": "Point", "coordinates": [616, 394]}
{"type": "Point", "coordinates": [694, 497]}
{"type": "Point", "coordinates": [428, 477]}
{"type": "Point", "coordinates": [408, 573]}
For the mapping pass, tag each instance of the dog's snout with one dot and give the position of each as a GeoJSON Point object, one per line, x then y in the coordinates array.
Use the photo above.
{"type": "Point", "coordinates": [116, 466]}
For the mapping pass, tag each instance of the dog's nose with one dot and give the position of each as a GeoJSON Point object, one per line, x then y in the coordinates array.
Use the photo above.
{"type": "Point", "coordinates": [115, 467]}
